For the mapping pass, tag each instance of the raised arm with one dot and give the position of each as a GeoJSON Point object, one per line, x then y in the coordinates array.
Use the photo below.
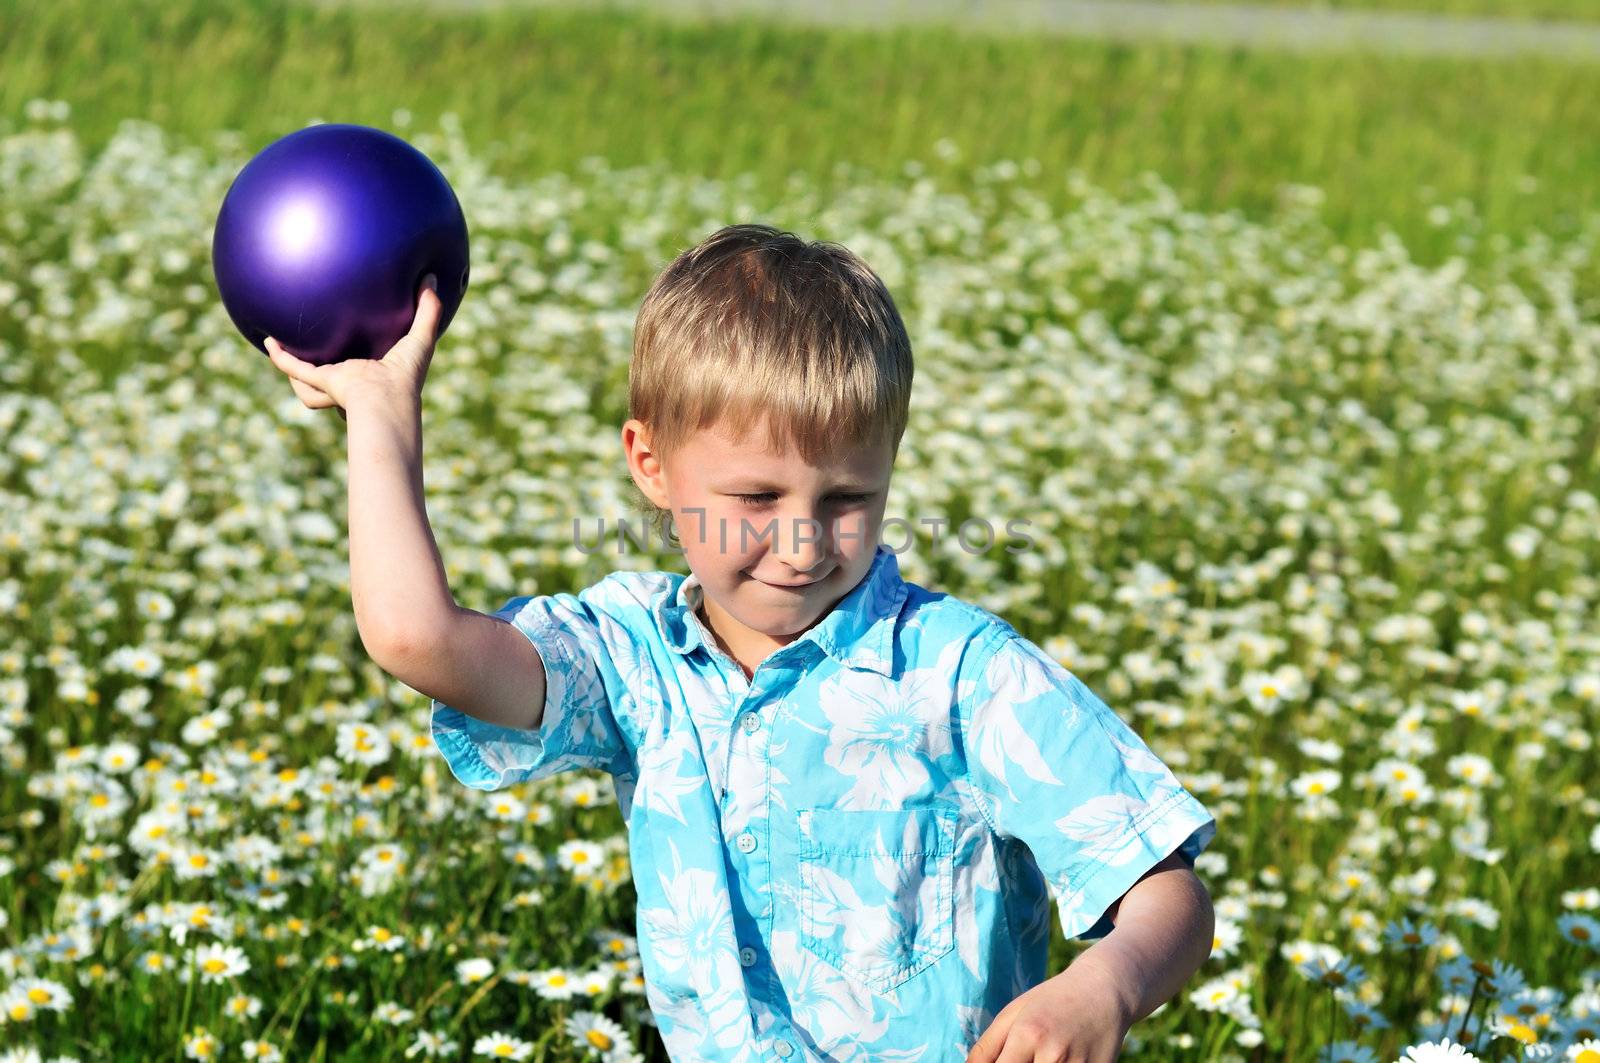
{"type": "Point", "coordinates": [407, 618]}
{"type": "Point", "coordinates": [409, 622]}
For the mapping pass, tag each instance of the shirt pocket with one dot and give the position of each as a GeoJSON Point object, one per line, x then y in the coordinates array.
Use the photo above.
{"type": "Point", "coordinates": [877, 890]}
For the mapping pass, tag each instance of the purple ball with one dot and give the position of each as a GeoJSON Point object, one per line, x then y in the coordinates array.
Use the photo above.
{"type": "Point", "coordinates": [324, 238]}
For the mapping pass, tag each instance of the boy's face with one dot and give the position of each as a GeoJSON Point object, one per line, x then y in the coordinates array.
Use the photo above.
{"type": "Point", "coordinates": [750, 519]}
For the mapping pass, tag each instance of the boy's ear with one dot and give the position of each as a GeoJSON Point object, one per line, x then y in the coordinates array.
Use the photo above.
{"type": "Point", "coordinates": [643, 464]}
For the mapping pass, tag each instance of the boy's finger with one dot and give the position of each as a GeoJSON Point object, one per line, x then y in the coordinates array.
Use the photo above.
{"type": "Point", "coordinates": [296, 368]}
{"type": "Point", "coordinates": [315, 398]}
{"type": "Point", "coordinates": [312, 396]}
{"type": "Point", "coordinates": [426, 324]}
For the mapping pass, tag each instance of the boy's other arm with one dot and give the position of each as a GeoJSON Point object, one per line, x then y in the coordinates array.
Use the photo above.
{"type": "Point", "coordinates": [1163, 930]}
{"type": "Point", "coordinates": [407, 618]}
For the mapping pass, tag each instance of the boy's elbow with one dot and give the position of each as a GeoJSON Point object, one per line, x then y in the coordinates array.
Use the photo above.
{"type": "Point", "coordinates": [381, 644]}
{"type": "Point", "coordinates": [401, 649]}
{"type": "Point", "coordinates": [376, 645]}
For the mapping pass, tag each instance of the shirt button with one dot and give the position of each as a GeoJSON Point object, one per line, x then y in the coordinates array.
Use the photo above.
{"type": "Point", "coordinates": [747, 956]}
{"type": "Point", "coordinates": [747, 842]}
{"type": "Point", "coordinates": [750, 722]}
{"type": "Point", "coordinates": [783, 1048]}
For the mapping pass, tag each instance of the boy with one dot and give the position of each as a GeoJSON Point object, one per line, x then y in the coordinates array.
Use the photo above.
{"type": "Point", "coordinates": [849, 799]}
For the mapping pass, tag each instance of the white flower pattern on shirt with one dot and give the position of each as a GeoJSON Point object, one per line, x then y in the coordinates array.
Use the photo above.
{"type": "Point", "coordinates": [883, 812]}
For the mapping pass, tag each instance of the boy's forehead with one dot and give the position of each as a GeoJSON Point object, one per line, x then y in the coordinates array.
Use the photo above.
{"type": "Point", "coordinates": [753, 454]}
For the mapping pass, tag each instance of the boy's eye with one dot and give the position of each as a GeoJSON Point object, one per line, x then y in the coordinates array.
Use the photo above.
{"type": "Point", "coordinates": [767, 497]}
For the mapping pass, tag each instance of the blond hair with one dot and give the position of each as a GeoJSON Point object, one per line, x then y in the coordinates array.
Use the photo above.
{"type": "Point", "coordinates": [754, 322]}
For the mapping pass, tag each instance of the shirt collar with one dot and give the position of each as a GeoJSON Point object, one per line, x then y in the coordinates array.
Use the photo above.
{"type": "Point", "coordinates": [858, 631]}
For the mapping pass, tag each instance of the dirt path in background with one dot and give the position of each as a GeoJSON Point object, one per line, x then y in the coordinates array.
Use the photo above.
{"type": "Point", "coordinates": [1226, 24]}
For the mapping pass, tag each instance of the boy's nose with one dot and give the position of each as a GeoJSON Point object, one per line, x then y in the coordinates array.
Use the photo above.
{"type": "Point", "coordinates": [801, 542]}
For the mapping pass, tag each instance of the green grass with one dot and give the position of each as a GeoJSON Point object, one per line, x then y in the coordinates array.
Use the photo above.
{"type": "Point", "coordinates": [1568, 10]}
{"type": "Point", "coordinates": [1384, 136]}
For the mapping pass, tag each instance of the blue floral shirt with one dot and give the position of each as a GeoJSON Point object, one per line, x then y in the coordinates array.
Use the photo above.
{"type": "Point", "coordinates": [851, 854]}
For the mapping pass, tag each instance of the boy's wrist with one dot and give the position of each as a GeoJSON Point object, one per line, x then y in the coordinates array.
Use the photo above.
{"type": "Point", "coordinates": [384, 403]}
{"type": "Point", "coordinates": [1109, 974]}
{"type": "Point", "coordinates": [383, 429]}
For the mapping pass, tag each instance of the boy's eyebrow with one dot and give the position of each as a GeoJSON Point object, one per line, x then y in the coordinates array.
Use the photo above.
{"type": "Point", "coordinates": [761, 486]}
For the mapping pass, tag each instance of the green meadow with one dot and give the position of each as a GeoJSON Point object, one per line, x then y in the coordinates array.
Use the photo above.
{"type": "Point", "coordinates": [1385, 137]}
{"type": "Point", "coordinates": [1552, 10]}
{"type": "Point", "coordinates": [1292, 364]}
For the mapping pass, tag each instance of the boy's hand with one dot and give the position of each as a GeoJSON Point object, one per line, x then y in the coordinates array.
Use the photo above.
{"type": "Point", "coordinates": [398, 374]}
{"type": "Point", "coordinates": [1077, 1016]}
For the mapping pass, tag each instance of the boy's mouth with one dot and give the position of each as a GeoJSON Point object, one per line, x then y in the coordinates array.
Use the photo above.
{"type": "Point", "coordinates": [790, 586]}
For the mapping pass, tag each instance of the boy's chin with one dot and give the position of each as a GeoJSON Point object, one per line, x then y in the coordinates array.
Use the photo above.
{"type": "Point", "coordinates": [776, 619]}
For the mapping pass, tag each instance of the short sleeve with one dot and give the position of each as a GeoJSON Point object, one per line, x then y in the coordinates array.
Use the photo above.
{"type": "Point", "coordinates": [578, 728]}
{"type": "Point", "coordinates": [1050, 765]}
